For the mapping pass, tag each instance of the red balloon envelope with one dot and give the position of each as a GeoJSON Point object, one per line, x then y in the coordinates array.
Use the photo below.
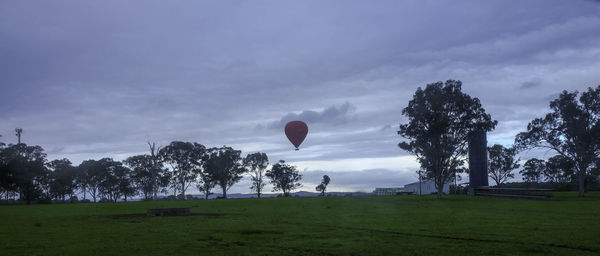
{"type": "Point", "coordinates": [296, 132]}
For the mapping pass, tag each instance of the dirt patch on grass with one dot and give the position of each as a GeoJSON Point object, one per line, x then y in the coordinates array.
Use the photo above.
{"type": "Point", "coordinates": [260, 232]}
{"type": "Point", "coordinates": [144, 215]}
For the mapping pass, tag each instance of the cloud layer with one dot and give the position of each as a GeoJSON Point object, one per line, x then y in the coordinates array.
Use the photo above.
{"type": "Point", "coordinates": [95, 79]}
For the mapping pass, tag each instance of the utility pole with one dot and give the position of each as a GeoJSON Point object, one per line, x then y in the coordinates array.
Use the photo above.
{"type": "Point", "coordinates": [18, 132]}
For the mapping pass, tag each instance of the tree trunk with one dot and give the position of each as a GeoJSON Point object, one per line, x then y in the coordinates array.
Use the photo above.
{"type": "Point", "coordinates": [183, 190]}
{"type": "Point", "coordinates": [440, 188]}
{"type": "Point", "coordinates": [224, 191]}
{"type": "Point", "coordinates": [581, 183]}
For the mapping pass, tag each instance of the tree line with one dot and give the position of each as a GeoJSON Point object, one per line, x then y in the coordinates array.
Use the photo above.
{"type": "Point", "coordinates": [442, 118]}
{"type": "Point", "coordinates": [26, 174]}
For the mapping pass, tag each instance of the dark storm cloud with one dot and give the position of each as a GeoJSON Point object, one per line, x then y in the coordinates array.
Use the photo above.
{"type": "Point", "coordinates": [93, 79]}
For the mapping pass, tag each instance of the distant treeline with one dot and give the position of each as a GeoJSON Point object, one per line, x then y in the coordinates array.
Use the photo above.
{"type": "Point", "coordinates": [27, 175]}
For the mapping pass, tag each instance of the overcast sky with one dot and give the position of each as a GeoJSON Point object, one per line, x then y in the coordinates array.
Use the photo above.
{"type": "Point", "coordinates": [93, 79]}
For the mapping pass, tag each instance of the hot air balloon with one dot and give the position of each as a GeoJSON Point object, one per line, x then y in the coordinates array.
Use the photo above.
{"type": "Point", "coordinates": [296, 132]}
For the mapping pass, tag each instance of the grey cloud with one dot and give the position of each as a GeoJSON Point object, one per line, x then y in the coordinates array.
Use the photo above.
{"type": "Point", "coordinates": [334, 115]}
{"type": "Point", "coordinates": [531, 84]}
{"type": "Point", "coordinates": [87, 80]}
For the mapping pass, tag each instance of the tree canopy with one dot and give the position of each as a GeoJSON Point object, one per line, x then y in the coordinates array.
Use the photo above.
{"type": "Point", "coordinates": [284, 177]}
{"type": "Point", "coordinates": [224, 166]}
{"type": "Point", "coordinates": [571, 129]}
{"type": "Point", "coordinates": [257, 163]}
{"type": "Point", "coordinates": [502, 162]}
{"type": "Point", "coordinates": [440, 120]}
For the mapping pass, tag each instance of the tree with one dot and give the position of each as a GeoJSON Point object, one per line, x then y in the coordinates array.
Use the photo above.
{"type": "Point", "coordinates": [501, 163]}
{"type": "Point", "coordinates": [25, 168]}
{"type": "Point", "coordinates": [142, 176]}
{"type": "Point", "coordinates": [224, 166]}
{"type": "Point", "coordinates": [560, 169]}
{"type": "Point", "coordinates": [206, 184]}
{"type": "Point", "coordinates": [185, 159]}
{"type": "Point", "coordinates": [90, 174]}
{"type": "Point", "coordinates": [62, 180]}
{"type": "Point", "coordinates": [284, 177]}
{"type": "Point", "coordinates": [256, 164]}
{"type": "Point", "coordinates": [571, 129]}
{"type": "Point", "coordinates": [159, 175]}
{"type": "Point", "coordinates": [441, 119]}
{"type": "Point", "coordinates": [148, 176]}
{"type": "Point", "coordinates": [110, 179]}
{"type": "Point", "coordinates": [533, 170]}
{"type": "Point", "coordinates": [126, 186]}
{"type": "Point", "coordinates": [323, 186]}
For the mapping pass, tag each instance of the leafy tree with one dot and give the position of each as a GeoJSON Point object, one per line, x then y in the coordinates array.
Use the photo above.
{"type": "Point", "coordinates": [25, 168]}
{"type": "Point", "coordinates": [284, 177]}
{"type": "Point", "coordinates": [206, 184]}
{"type": "Point", "coordinates": [224, 166]}
{"type": "Point", "coordinates": [501, 163]}
{"type": "Point", "coordinates": [142, 177]}
{"type": "Point", "coordinates": [90, 176]}
{"type": "Point", "coordinates": [440, 120]}
{"type": "Point", "coordinates": [7, 184]}
{"type": "Point", "coordinates": [185, 159]}
{"type": "Point", "coordinates": [559, 169]}
{"type": "Point", "coordinates": [256, 164]}
{"type": "Point", "coordinates": [323, 186]}
{"type": "Point", "coordinates": [533, 170]}
{"type": "Point", "coordinates": [62, 178]}
{"type": "Point", "coordinates": [148, 176]}
{"type": "Point", "coordinates": [126, 185]}
{"type": "Point", "coordinates": [572, 129]}
{"type": "Point", "coordinates": [109, 175]}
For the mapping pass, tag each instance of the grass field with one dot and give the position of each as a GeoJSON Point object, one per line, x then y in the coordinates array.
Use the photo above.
{"type": "Point", "coordinates": [397, 225]}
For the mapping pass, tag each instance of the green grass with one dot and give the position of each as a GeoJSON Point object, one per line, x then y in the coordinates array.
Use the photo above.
{"type": "Point", "coordinates": [398, 225]}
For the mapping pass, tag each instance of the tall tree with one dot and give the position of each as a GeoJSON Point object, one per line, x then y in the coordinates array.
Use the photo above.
{"type": "Point", "coordinates": [7, 183]}
{"type": "Point", "coordinates": [185, 159]}
{"type": "Point", "coordinates": [284, 177]}
{"type": "Point", "coordinates": [26, 168]}
{"type": "Point", "coordinates": [257, 164]}
{"type": "Point", "coordinates": [502, 162]}
{"type": "Point", "coordinates": [533, 170]}
{"type": "Point", "coordinates": [111, 175]}
{"type": "Point", "coordinates": [323, 186]}
{"type": "Point", "coordinates": [142, 176]}
{"type": "Point", "coordinates": [148, 174]}
{"type": "Point", "coordinates": [571, 129]}
{"type": "Point", "coordinates": [206, 184]}
{"type": "Point", "coordinates": [62, 178]}
{"type": "Point", "coordinates": [90, 175]}
{"type": "Point", "coordinates": [560, 169]}
{"type": "Point", "coordinates": [224, 165]}
{"type": "Point", "coordinates": [157, 171]}
{"type": "Point", "coordinates": [440, 120]}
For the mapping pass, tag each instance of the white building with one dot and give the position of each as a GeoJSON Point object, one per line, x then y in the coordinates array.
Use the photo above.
{"type": "Point", "coordinates": [427, 187]}
{"type": "Point", "coordinates": [387, 191]}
